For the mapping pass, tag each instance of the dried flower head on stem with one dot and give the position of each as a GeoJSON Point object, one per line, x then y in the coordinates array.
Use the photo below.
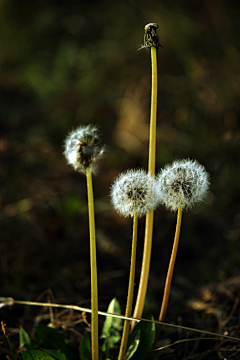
{"type": "Point", "coordinates": [151, 38]}
{"type": "Point", "coordinates": [83, 148]}
{"type": "Point", "coordinates": [151, 41]}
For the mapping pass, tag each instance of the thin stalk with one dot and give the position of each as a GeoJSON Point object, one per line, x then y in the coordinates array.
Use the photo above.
{"type": "Point", "coordinates": [4, 329]}
{"type": "Point", "coordinates": [153, 117]}
{"type": "Point", "coordinates": [130, 291]}
{"type": "Point", "coordinates": [93, 262]}
{"type": "Point", "coordinates": [170, 272]}
{"type": "Point", "coordinates": [149, 217]}
{"type": "Point", "coordinates": [78, 308]}
{"type": "Point", "coordinates": [11, 349]}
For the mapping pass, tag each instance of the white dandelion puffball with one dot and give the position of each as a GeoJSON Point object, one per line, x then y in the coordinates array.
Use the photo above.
{"type": "Point", "coordinates": [83, 148]}
{"type": "Point", "coordinates": [134, 192]}
{"type": "Point", "coordinates": [183, 184]}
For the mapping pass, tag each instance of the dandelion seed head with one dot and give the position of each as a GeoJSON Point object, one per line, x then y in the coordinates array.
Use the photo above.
{"type": "Point", "coordinates": [134, 192]}
{"type": "Point", "coordinates": [83, 148]}
{"type": "Point", "coordinates": [183, 184]}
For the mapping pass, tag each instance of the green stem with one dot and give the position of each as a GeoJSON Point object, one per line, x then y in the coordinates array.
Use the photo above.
{"type": "Point", "coordinates": [10, 345]}
{"type": "Point", "coordinates": [170, 272]}
{"type": "Point", "coordinates": [153, 117]}
{"type": "Point", "coordinates": [130, 291]}
{"type": "Point", "coordinates": [93, 262]}
{"type": "Point", "coordinates": [4, 329]}
{"type": "Point", "coordinates": [149, 217]}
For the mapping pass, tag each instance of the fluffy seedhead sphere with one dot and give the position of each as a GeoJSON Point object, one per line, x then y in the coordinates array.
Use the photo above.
{"type": "Point", "coordinates": [183, 184]}
{"type": "Point", "coordinates": [83, 148]}
{"type": "Point", "coordinates": [134, 192]}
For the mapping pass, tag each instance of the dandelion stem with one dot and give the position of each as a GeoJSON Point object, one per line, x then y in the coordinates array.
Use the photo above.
{"type": "Point", "coordinates": [93, 262]}
{"type": "Point", "coordinates": [170, 272]}
{"type": "Point", "coordinates": [130, 291]}
{"type": "Point", "coordinates": [153, 118]}
{"type": "Point", "coordinates": [149, 217]}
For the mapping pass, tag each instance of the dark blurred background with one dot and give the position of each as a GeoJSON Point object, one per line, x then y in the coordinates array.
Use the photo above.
{"type": "Point", "coordinates": [70, 63]}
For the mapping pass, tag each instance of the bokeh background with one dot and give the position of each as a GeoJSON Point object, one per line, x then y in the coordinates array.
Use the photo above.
{"type": "Point", "coordinates": [70, 63]}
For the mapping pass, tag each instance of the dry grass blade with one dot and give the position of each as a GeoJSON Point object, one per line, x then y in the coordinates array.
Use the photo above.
{"type": "Point", "coordinates": [11, 301]}
{"type": "Point", "coordinates": [184, 340]}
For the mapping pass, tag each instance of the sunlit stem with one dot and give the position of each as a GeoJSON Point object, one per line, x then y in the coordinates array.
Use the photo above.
{"type": "Point", "coordinates": [153, 117]}
{"type": "Point", "coordinates": [93, 263]}
{"type": "Point", "coordinates": [149, 217]}
{"type": "Point", "coordinates": [170, 272]}
{"type": "Point", "coordinates": [130, 291]}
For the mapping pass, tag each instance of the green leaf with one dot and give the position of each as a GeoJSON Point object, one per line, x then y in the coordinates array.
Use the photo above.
{"type": "Point", "coordinates": [111, 327]}
{"type": "Point", "coordinates": [147, 338]}
{"type": "Point", "coordinates": [51, 338]}
{"type": "Point", "coordinates": [25, 341]}
{"type": "Point", "coordinates": [133, 345]}
{"type": "Point", "coordinates": [85, 347]}
{"type": "Point", "coordinates": [36, 355]}
{"type": "Point", "coordinates": [116, 323]}
{"type": "Point", "coordinates": [57, 354]}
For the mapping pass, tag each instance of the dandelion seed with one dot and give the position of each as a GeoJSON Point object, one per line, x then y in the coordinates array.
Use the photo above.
{"type": "Point", "coordinates": [183, 184]}
{"type": "Point", "coordinates": [83, 148]}
{"type": "Point", "coordinates": [134, 192]}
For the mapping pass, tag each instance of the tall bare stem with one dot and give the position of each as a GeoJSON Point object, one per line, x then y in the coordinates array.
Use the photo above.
{"type": "Point", "coordinates": [93, 262]}
{"type": "Point", "coordinates": [149, 217]}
